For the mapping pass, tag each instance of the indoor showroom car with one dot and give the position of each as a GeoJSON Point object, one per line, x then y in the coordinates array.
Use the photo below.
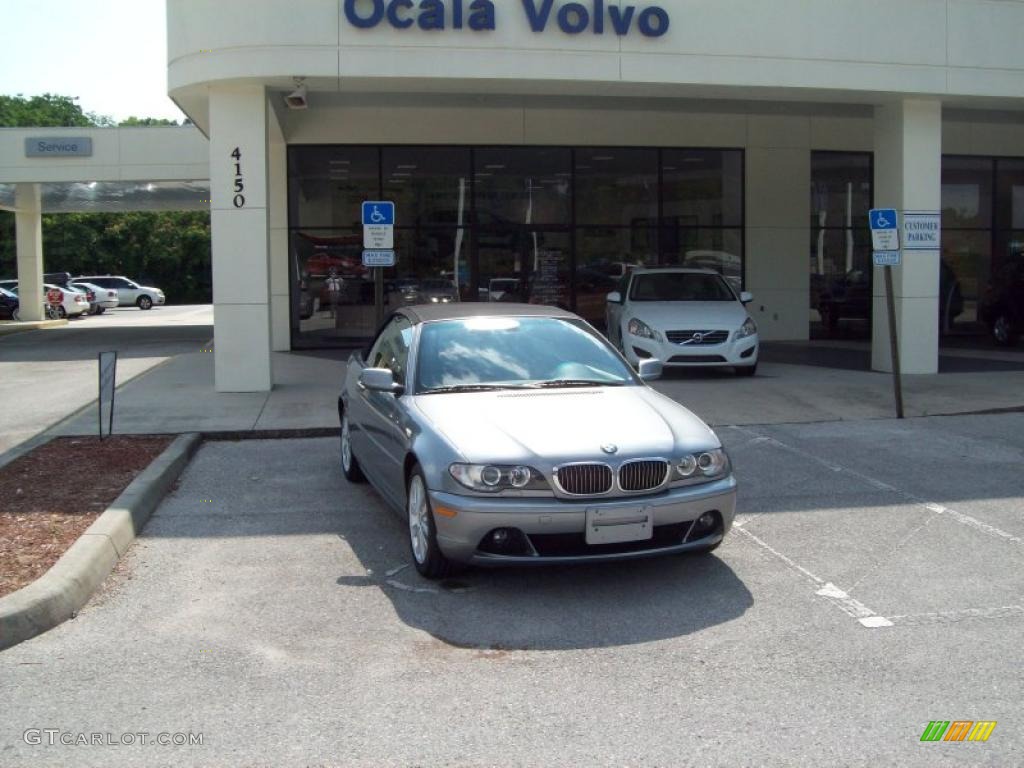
{"type": "Point", "coordinates": [514, 434]}
{"type": "Point", "coordinates": [682, 317]}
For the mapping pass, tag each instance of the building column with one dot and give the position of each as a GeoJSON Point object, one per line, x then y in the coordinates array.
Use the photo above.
{"type": "Point", "coordinates": [908, 177]}
{"type": "Point", "coordinates": [28, 222]}
{"type": "Point", "coordinates": [280, 280]}
{"type": "Point", "coordinates": [240, 235]}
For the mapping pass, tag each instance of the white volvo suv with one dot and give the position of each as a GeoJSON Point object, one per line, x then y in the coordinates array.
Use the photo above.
{"type": "Point", "coordinates": [682, 317]}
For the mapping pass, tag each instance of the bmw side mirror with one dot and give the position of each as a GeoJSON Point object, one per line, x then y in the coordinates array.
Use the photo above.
{"type": "Point", "coordinates": [614, 297]}
{"type": "Point", "coordinates": [380, 380]}
{"type": "Point", "coordinates": [746, 297]}
{"type": "Point", "coordinates": [650, 370]}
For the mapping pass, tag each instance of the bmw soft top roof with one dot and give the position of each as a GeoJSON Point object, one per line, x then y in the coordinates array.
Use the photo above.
{"type": "Point", "coordinates": [424, 313]}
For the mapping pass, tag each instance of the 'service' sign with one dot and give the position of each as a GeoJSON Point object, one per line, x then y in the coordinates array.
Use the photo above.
{"type": "Point", "coordinates": [58, 146]}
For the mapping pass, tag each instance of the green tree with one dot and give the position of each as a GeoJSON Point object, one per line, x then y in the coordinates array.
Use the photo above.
{"type": "Point", "coordinates": [145, 121]}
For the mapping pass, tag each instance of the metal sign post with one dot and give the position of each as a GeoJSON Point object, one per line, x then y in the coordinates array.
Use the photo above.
{"type": "Point", "coordinates": [108, 385]}
{"type": "Point", "coordinates": [885, 240]}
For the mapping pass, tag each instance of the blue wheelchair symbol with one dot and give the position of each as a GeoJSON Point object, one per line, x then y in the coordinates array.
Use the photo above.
{"type": "Point", "coordinates": [883, 218]}
{"type": "Point", "coordinates": [378, 214]}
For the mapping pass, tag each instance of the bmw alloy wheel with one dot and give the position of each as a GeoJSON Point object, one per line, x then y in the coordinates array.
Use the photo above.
{"type": "Point", "coordinates": [419, 523]}
{"type": "Point", "coordinates": [1001, 330]}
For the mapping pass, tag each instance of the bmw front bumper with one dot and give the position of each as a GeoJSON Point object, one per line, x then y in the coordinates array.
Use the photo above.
{"type": "Point", "coordinates": [460, 536]}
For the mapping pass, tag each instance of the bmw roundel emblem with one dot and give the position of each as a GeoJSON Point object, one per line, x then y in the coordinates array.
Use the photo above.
{"type": "Point", "coordinates": [610, 448]}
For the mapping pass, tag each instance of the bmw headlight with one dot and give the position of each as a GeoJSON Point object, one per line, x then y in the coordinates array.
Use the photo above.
{"type": "Point", "coordinates": [749, 328]}
{"type": "Point", "coordinates": [494, 478]}
{"type": "Point", "coordinates": [703, 466]}
{"type": "Point", "coordinates": [643, 330]}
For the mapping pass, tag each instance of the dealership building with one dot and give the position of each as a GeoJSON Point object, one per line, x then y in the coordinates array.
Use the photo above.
{"type": "Point", "coordinates": [536, 149]}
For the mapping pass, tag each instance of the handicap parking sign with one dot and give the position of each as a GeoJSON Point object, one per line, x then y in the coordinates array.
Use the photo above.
{"type": "Point", "coordinates": [378, 214]}
{"type": "Point", "coordinates": [884, 229]}
{"type": "Point", "coordinates": [883, 218]}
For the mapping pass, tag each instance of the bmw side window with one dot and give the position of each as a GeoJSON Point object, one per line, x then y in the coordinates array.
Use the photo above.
{"type": "Point", "coordinates": [391, 350]}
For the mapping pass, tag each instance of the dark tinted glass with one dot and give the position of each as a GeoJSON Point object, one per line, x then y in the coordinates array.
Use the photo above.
{"type": "Point", "coordinates": [702, 188]}
{"type": "Point", "coordinates": [1010, 194]}
{"type": "Point", "coordinates": [617, 187]}
{"type": "Point", "coordinates": [841, 187]}
{"type": "Point", "coordinates": [523, 186]}
{"type": "Point", "coordinates": [430, 186]}
{"type": "Point", "coordinates": [327, 185]}
{"type": "Point", "coordinates": [966, 192]}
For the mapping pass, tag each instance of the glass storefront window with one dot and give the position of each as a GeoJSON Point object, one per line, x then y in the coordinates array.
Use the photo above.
{"type": "Point", "coordinates": [966, 192]}
{"type": "Point", "coordinates": [546, 225]}
{"type": "Point", "coordinates": [702, 188]}
{"type": "Point", "coordinates": [523, 186]}
{"type": "Point", "coordinates": [1010, 194]}
{"type": "Point", "coordinates": [430, 186]}
{"type": "Point", "coordinates": [841, 273]}
{"type": "Point", "coordinates": [717, 249]}
{"type": "Point", "coordinates": [617, 187]}
{"type": "Point", "coordinates": [327, 185]}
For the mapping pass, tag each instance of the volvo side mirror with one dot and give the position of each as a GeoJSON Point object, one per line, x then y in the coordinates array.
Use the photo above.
{"type": "Point", "coordinates": [614, 297]}
{"type": "Point", "coordinates": [746, 297]}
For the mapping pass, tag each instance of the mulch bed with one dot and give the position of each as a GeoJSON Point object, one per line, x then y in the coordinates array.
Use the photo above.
{"type": "Point", "coordinates": [49, 496]}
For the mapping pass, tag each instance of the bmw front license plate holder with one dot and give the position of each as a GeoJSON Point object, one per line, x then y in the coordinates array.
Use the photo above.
{"type": "Point", "coordinates": [613, 526]}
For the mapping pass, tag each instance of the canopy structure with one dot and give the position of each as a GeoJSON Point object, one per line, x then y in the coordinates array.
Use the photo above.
{"type": "Point", "coordinates": [115, 196]}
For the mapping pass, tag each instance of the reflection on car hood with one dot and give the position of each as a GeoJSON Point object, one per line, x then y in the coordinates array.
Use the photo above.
{"type": "Point", "coordinates": [689, 315]}
{"type": "Point", "coordinates": [551, 426]}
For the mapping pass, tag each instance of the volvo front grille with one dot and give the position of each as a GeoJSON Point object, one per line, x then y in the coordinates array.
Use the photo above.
{"type": "Point", "coordinates": [697, 338]}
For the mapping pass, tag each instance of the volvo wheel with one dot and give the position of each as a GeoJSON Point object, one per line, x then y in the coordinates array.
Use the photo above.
{"type": "Point", "coordinates": [145, 302]}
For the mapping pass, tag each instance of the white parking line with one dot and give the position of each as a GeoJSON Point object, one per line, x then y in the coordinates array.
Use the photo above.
{"type": "Point", "coordinates": [931, 506]}
{"type": "Point", "coordinates": [938, 617]}
{"type": "Point", "coordinates": [848, 605]}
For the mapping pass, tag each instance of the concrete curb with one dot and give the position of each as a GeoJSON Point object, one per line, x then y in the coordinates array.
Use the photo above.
{"type": "Point", "coordinates": [10, 328]}
{"type": "Point", "coordinates": [58, 594]}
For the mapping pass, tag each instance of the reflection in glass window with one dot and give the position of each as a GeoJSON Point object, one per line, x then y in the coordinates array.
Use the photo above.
{"type": "Point", "coordinates": [327, 185]}
{"type": "Point", "coordinates": [720, 250]}
{"type": "Point", "coordinates": [617, 187]}
{"type": "Point", "coordinates": [1010, 193]}
{"type": "Point", "coordinates": [966, 192]}
{"type": "Point", "coordinates": [430, 186]}
{"type": "Point", "coordinates": [703, 188]}
{"type": "Point", "coordinates": [840, 265]}
{"type": "Point", "coordinates": [529, 185]}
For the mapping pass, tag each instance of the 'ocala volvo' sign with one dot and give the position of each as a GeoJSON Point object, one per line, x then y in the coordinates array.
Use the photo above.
{"type": "Point", "coordinates": [480, 16]}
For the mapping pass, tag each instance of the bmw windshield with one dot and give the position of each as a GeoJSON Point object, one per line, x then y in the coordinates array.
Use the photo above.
{"type": "Point", "coordinates": [482, 353]}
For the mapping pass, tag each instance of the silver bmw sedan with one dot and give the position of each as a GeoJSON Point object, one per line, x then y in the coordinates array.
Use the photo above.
{"type": "Point", "coordinates": [513, 434]}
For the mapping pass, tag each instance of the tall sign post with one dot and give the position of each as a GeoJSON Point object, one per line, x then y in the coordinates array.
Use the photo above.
{"type": "Point", "coordinates": [378, 246]}
{"type": "Point", "coordinates": [885, 242]}
{"type": "Point", "coordinates": [108, 385]}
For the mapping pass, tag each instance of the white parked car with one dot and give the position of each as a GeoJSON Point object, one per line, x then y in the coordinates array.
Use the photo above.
{"type": "Point", "coordinates": [73, 303]}
{"type": "Point", "coordinates": [106, 298]}
{"type": "Point", "coordinates": [129, 293]}
{"type": "Point", "coordinates": [682, 317]}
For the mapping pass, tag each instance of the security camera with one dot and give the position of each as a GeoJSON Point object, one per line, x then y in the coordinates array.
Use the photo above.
{"type": "Point", "coordinates": [297, 98]}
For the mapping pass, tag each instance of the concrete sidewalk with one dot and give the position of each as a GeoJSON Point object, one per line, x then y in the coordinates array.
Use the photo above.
{"type": "Point", "coordinates": [179, 396]}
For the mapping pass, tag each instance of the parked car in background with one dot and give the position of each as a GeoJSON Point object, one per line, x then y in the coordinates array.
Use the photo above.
{"type": "Point", "coordinates": [73, 303]}
{"type": "Point", "coordinates": [1002, 307]}
{"type": "Point", "coordinates": [8, 305]}
{"type": "Point", "coordinates": [438, 291]}
{"type": "Point", "coordinates": [100, 299]}
{"type": "Point", "coordinates": [513, 434]}
{"type": "Point", "coordinates": [129, 292]}
{"type": "Point", "coordinates": [682, 317]}
{"type": "Point", "coordinates": [850, 296]}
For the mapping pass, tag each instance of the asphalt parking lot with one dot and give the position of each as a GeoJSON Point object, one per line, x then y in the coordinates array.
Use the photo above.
{"type": "Point", "coordinates": [873, 584]}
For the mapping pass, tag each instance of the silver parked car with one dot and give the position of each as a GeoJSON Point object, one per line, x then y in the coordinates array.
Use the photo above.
{"type": "Point", "coordinates": [515, 434]}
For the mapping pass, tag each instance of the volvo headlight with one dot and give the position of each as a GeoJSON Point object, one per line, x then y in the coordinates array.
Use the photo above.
{"type": "Point", "coordinates": [749, 328]}
{"type": "Point", "coordinates": [706, 465]}
{"type": "Point", "coordinates": [493, 478]}
{"type": "Point", "coordinates": [640, 328]}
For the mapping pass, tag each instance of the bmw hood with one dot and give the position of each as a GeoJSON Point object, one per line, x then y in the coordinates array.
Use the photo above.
{"type": "Point", "coordinates": [690, 315]}
{"type": "Point", "coordinates": [551, 426]}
